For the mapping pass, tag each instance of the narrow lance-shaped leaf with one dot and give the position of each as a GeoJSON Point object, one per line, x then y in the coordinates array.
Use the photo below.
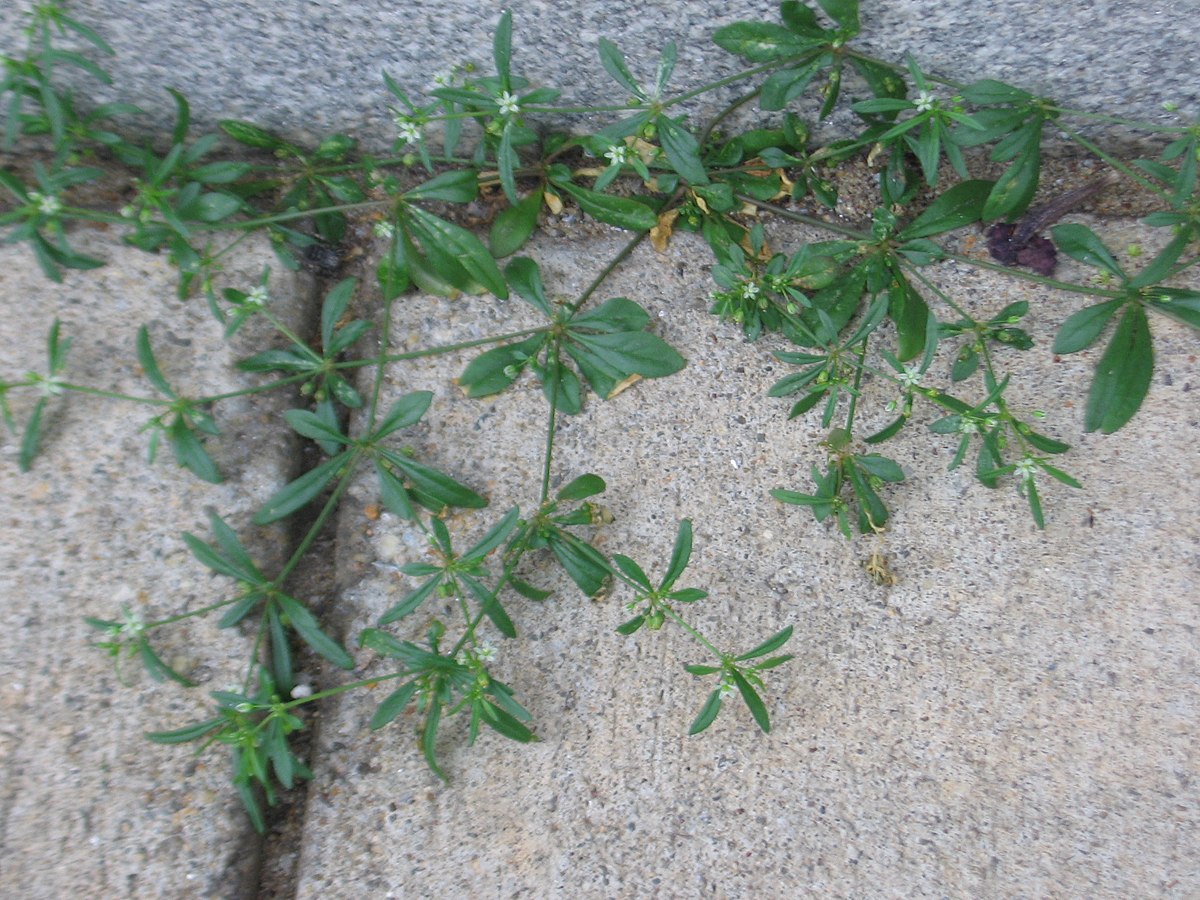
{"type": "Point", "coordinates": [308, 629]}
{"type": "Point", "coordinates": [1122, 375]}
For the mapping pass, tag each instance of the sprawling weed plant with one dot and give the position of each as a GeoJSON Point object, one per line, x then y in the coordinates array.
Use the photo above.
{"type": "Point", "coordinates": [650, 172]}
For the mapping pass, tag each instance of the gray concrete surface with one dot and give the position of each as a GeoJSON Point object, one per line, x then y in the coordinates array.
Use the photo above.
{"type": "Point", "coordinates": [308, 69]}
{"type": "Point", "coordinates": [1014, 718]}
{"type": "Point", "coordinates": [88, 807]}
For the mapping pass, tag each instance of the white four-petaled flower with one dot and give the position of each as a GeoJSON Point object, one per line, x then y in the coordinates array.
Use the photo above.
{"type": "Point", "coordinates": [509, 104]}
{"type": "Point", "coordinates": [257, 297]}
{"type": "Point", "coordinates": [924, 101]}
{"type": "Point", "coordinates": [410, 131]}
{"type": "Point", "coordinates": [1026, 467]}
{"type": "Point", "coordinates": [910, 377]}
{"type": "Point", "coordinates": [47, 204]}
{"type": "Point", "coordinates": [617, 154]}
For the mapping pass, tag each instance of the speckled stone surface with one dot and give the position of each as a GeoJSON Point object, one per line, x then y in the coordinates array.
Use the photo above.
{"type": "Point", "coordinates": [88, 807]}
{"type": "Point", "coordinates": [308, 69]}
{"type": "Point", "coordinates": [1014, 718]}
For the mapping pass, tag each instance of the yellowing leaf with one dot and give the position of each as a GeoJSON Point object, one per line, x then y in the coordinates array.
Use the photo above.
{"type": "Point", "coordinates": [660, 234]}
{"type": "Point", "coordinates": [624, 385]}
{"type": "Point", "coordinates": [553, 202]}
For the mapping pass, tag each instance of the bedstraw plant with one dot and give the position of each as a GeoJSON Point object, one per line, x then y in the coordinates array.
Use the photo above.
{"type": "Point", "coordinates": [652, 172]}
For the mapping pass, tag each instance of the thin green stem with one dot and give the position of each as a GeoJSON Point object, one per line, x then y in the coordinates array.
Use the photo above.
{"type": "Point", "coordinates": [696, 635]}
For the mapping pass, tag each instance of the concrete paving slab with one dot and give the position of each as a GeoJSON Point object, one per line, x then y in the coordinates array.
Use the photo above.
{"type": "Point", "coordinates": [1014, 717]}
{"type": "Point", "coordinates": [88, 807]}
{"type": "Point", "coordinates": [310, 69]}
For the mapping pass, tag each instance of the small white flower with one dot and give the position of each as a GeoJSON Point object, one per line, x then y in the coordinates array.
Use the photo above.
{"type": "Point", "coordinates": [508, 103]}
{"type": "Point", "coordinates": [1026, 468]}
{"type": "Point", "coordinates": [968, 426]}
{"type": "Point", "coordinates": [749, 290]}
{"type": "Point", "coordinates": [384, 230]}
{"type": "Point", "coordinates": [128, 211]}
{"type": "Point", "coordinates": [131, 623]}
{"type": "Point", "coordinates": [301, 691]}
{"type": "Point", "coordinates": [726, 689]}
{"type": "Point", "coordinates": [47, 204]}
{"type": "Point", "coordinates": [618, 154]}
{"type": "Point", "coordinates": [925, 101]}
{"type": "Point", "coordinates": [410, 130]}
{"type": "Point", "coordinates": [910, 377]}
{"type": "Point", "coordinates": [257, 297]}
{"type": "Point", "coordinates": [443, 79]}
{"type": "Point", "coordinates": [485, 652]}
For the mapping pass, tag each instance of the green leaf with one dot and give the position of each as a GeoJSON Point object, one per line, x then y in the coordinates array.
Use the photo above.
{"type": "Point", "coordinates": [528, 591]}
{"type": "Point", "coordinates": [189, 451]}
{"type": "Point", "coordinates": [1041, 442]}
{"type": "Point", "coordinates": [32, 436]}
{"type": "Point", "coordinates": [186, 734]}
{"type": "Point", "coordinates": [624, 213]}
{"type": "Point", "coordinates": [1179, 304]}
{"type": "Point", "coordinates": [769, 645]}
{"type": "Point", "coordinates": [1082, 328]}
{"type": "Point", "coordinates": [708, 713]}
{"type": "Point", "coordinates": [495, 536]}
{"type": "Point", "coordinates": [507, 162]}
{"type": "Point", "coordinates": [159, 670]}
{"type": "Point", "coordinates": [683, 152]}
{"type": "Point", "coordinates": [880, 466]}
{"type": "Point", "coordinates": [227, 540]}
{"type": "Point", "coordinates": [584, 563]}
{"type": "Point", "coordinates": [149, 364]}
{"type": "Point", "coordinates": [434, 485]}
{"type": "Point", "coordinates": [633, 572]}
{"type": "Point", "coordinates": [456, 186]}
{"type": "Point", "coordinates": [337, 301]}
{"type": "Point", "coordinates": [614, 64]}
{"type": "Point", "coordinates": [757, 708]}
{"type": "Point", "coordinates": [306, 626]}
{"type": "Point", "coordinates": [911, 315]}
{"type": "Point", "coordinates": [1122, 375]}
{"type": "Point", "coordinates": [631, 627]}
{"type": "Point", "coordinates": [581, 488]}
{"type": "Point", "coordinates": [406, 411]}
{"type": "Point", "coordinates": [433, 718]}
{"type": "Point", "coordinates": [491, 606]}
{"type": "Point", "coordinates": [310, 425]}
{"type": "Point", "coordinates": [525, 278]}
{"type": "Point", "coordinates": [513, 227]}
{"type": "Point", "coordinates": [987, 91]}
{"type": "Point", "coordinates": [1015, 188]}
{"type": "Point", "coordinates": [393, 494]}
{"type": "Point", "coordinates": [763, 41]}
{"type": "Point", "coordinates": [959, 206]}
{"type": "Point", "coordinates": [463, 245]}
{"type": "Point", "coordinates": [300, 492]}
{"type": "Point", "coordinates": [1035, 503]}
{"type": "Point", "coordinates": [250, 135]}
{"type": "Point", "coordinates": [502, 49]}
{"type": "Point", "coordinates": [633, 352]}
{"type": "Point", "coordinates": [394, 704]}
{"type": "Point", "coordinates": [1081, 243]}
{"type": "Point", "coordinates": [844, 12]}
{"type": "Point", "coordinates": [494, 370]}
{"type": "Point", "coordinates": [680, 554]}
{"type": "Point", "coordinates": [411, 601]}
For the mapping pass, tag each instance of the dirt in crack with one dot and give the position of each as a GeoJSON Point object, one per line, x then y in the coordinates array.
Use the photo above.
{"type": "Point", "coordinates": [314, 582]}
